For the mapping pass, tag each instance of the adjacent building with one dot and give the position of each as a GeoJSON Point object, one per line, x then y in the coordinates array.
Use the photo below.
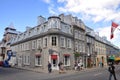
{"type": "Point", "coordinates": [9, 34]}
{"type": "Point", "coordinates": [90, 47]}
{"type": "Point", "coordinates": [100, 48]}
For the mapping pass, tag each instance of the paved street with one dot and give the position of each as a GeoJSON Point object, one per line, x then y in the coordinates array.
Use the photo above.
{"type": "Point", "coordinates": [90, 74]}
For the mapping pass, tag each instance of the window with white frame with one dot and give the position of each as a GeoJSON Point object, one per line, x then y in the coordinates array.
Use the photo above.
{"type": "Point", "coordinates": [68, 43]}
{"type": "Point", "coordinates": [39, 43]}
{"type": "Point", "coordinates": [55, 23]}
{"type": "Point", "coordinates": [62, 42]}
{"type": "Point", "coordinates": [21, 47]}
{"type": "Point", "coordinates": [66, 61]}
{"type": "Point", "coordinates": [33, 44]}
{"type": "Point", "coordinates": [79, 34]}
{"type": "Point", "coordinates": [37, 29]}
{"type": "Point", "coordinates": [83, 47]}
{"type": "Point", "coordinates": [68, 29]}
{"type": "Point", "coordinates": [45, 42]}
{"type": "Point", "coordinates": [18, 47]}
{"type": "Point", "coordinates": [27, 45]}
{"type": "Point", "coordinates": [76, 46]}
{"type": "Point", "coordinates": [26, 60]}
{"type": "Point", "coordinates": [38, 61]}
{"type": "Point", "coordinates": [54, 40]}
{"type": "Point", "coordinates": [79, 47]}
{"type": "Point", "coordinates": [76, 34]}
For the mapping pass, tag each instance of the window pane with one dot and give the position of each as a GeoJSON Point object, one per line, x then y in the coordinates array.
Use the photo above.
{"type": "Point", "coordinates": [66, 60]}
{"type": "Point", "coordinates": [53, 41]}
{"type": "Point", "coordinates": [62, 42]}
{"type": "Point", "coordinates": [38, 60]}
{"type": "Point", "coordinates": [45, 42]}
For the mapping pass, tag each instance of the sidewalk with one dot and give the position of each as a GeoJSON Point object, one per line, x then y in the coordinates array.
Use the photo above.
{"type": "Point", "coordinates": [39, 70]}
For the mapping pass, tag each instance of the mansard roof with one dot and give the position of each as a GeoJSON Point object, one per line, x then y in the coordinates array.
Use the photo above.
{"type": "Point", "coordinates": [54, 17]}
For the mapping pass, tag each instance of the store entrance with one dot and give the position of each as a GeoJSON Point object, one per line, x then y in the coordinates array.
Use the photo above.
{"type": "Point", "coordinates": [54, 62]}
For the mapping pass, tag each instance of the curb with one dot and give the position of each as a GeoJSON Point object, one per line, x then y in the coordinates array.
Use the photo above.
{"type": "Point", "coordinates": [57, 72]}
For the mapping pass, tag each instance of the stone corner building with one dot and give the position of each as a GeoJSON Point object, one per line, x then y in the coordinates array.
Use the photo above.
{"type": "Point", "coordinates": [59, 38]}
{"type": "Point", "coordinates": [53, 40]}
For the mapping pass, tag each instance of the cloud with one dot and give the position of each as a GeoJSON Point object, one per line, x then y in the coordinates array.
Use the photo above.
{"type": "Point", "coordinates": [105, 31]}
{"type": "Point", "coordinates": [99, 10]}
{"type": "Point", "coordinates": [51, 9]}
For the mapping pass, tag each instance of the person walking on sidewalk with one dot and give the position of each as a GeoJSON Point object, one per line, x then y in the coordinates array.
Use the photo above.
{"type": "Point", "coordinates": [60, 65]}
{"type": "Point", "coordinates": [49, 67]}
{"type": "Point", "coordinates": [75, 66]}
{"type": "Point", "coordinates": [111, 69]}
{"type": "Point", "coordinates": [79, 66]}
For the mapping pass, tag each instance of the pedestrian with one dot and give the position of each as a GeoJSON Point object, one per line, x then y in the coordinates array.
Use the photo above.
{"type": "Point", "coordinates": [49, 67]}
{"type": "Point", "coordinates": [75, 66]}
{"type": "Point", "coordinates": [79, 66]}
{"type": "Point", "coordinates": [59, 64]}
{"type": "Point", "coordinates": [61, 67]}
{"type": "Point", "coordinates": [102, 64]}
{"type": "Point", "coordinates": [111, 69]}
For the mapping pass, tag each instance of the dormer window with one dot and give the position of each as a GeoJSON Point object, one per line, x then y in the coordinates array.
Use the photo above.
{"type": "Point", "coordinates": [24, 34]}
{"type": "Point", "coordinates": [29, 32]}
{"type": "Point", "coordinates": [54, 22]}
{"type": "Point", "coordinates": [37, 29]}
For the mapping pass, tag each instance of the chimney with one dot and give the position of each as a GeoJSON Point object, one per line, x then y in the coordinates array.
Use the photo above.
{"type": "Point", "coordinates": [41, 20]}
{"type": "Point", "coordinates": [28, 28]}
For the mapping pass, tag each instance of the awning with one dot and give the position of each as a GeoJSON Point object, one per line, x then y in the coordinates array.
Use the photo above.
{"type": "Point", "coordinates": [66, 54]}
{"type": "Point", "coordinates": [53, 56]}
{"type": "Point", "coordinates": [117, 59]}
{"type": "Point", "coordinates": [111, 58]}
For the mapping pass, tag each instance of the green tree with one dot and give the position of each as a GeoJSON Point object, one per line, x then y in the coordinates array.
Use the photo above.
{"type": "Point", "coordinates": [76, 55]}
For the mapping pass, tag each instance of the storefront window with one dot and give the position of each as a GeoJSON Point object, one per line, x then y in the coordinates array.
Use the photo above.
{"type": "Point", "coordinates": [38, 61]}
{"type": "Point", "coordinates": [66, 60]}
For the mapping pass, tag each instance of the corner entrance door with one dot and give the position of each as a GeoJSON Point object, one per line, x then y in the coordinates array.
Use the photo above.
{"type": "Point", "coordinates": [54, 62]}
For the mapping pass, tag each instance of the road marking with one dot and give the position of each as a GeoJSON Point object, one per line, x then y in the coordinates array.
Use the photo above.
{"type": "Point", "coordinates": [97, 74]}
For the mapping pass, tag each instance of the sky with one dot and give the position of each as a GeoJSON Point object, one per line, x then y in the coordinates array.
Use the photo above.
{"type": "Point", "coordinates": [96, 14]}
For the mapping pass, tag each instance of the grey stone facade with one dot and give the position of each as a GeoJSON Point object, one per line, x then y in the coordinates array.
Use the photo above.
{"type": "Point", "coordinates": [56, 39]}
{"type": "Point", "coordinates": [56, 44]}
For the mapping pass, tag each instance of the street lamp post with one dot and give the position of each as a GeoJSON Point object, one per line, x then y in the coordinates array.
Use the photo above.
{"type": "Point", "coordinates": [89, 60]}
